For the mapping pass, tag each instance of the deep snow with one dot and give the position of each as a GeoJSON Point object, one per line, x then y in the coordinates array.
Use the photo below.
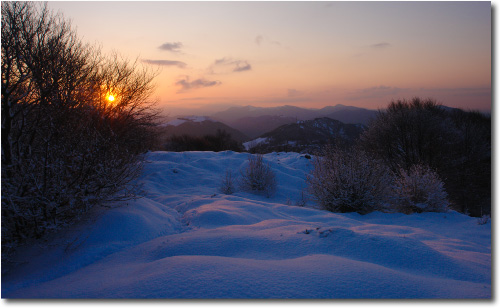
{"type": "Point", "coordinates": [185, 239]}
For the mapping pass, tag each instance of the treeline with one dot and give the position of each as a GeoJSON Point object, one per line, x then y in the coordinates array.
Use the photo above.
{"type": "Point", "coordinates": [404, 155]}
{"type": "Point", "coordinates": [65, 145]}
{"type": "Point", "coordinates": [221, 141]}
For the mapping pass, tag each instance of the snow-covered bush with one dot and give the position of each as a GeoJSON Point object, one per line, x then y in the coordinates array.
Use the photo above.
{"type": "Point", "coordinates": [483, 219]}
{"type": "Point", "coordinates": [349, 181]}
{"type": "Point", "coordinates": [227, 183]}
{"type": "Point", "coordinates": [258, 177]}
{"type": "Point", "coordinates": [419, 190]}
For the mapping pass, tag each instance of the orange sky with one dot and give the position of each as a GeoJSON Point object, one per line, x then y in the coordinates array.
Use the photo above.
{"type": "Point", "coordinates": [308, 54]}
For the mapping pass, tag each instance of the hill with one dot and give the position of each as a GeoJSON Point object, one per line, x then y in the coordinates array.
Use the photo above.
{"type": "Point", "coordinates": [256, 126]}
{"type": "Point", "coordinates": [199, 127]}
{"type": "Point", "coordinates": [255, 121]}
{"type": "Point", "coordinates": [353, 116]}
{"type": "Point", "coordinates": [306, 136]}
{"type": "Point", "coordinates": [232, 114]}
{"type": "Point", "coordinates": [184, 239]}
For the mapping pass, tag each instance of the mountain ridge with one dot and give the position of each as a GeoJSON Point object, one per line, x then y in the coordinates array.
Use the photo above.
{"type": "Point", "coordinates": [199, 127]}
{"type": "Point", "coordinates": [255, 121]}
{"type": "Point", "coordinates": [306, 136]}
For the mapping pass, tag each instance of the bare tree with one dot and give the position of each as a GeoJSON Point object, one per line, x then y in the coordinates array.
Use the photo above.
{"type": "Point", "coordinates": [408, 133]}
{"type": "Point", "coordinates": [65, 145]}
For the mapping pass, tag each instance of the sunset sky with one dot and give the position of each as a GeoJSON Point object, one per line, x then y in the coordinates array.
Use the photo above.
{"type": "Point", "coordinates": [306, 54]}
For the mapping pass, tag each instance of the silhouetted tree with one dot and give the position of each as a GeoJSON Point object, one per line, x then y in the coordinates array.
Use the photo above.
{"type": "Point", "coordinates": [221, 141]}
{"type": "Point", "coordinates": [468, 171]}
{"type": "Point", "coordinates": [454, 143]}
{"type": "Point", "coordinates": [65, 147]}
{"type": "Point", "coordinates": [409, 133]}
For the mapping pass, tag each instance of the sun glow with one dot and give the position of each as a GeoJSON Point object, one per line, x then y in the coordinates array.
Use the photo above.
{"type": "Point", "coordinates": [111, 98]}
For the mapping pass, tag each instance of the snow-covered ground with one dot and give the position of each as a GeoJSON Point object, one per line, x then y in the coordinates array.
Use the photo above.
{"type": "Point", "coordinates": [184, 239]}
{"type": "Point", "coordinates": [252, 143]}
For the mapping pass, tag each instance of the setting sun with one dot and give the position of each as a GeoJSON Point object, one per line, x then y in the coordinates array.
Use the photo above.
{"type": "Point", "coordinates": [111, 98]}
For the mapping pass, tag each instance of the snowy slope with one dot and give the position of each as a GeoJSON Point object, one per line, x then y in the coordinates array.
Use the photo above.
{"type": "Point", "coordinates": [186, 240]}
{"type": "Point", "coordinates": [249, 144]}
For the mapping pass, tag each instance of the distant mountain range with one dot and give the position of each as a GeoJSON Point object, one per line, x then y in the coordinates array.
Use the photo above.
{"type": "Point", "coordinates": [198, 127]}
{"type": "Point", "coordinates": [255, 121]}
{"type": "Point", "coordinates": [284, 128]}
{"type": "Point", "coordinates": [306, 136]}
{"type": "Point", "coordinates": [256, 126]}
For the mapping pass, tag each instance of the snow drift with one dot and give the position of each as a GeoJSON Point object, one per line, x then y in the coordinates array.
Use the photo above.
{"type": "Point", "coordinates": [184, 239]}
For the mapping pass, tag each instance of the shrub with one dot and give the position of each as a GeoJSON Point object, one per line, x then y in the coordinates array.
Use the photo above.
{"type": "Point", "coordinates": [258, 177]}
{"type": "Point", "coordinates": [419, 190]}
{"type": "Point", "coordinates": [348, 181]}
{"type": "Point", "coordinates": [227, 184]}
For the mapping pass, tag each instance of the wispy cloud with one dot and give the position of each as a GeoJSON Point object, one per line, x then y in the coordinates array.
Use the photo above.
{"type": "Point", "coordinates": [380, 45]}
{"type": "Point", "coordinates": [374, 92]}
{"type": "Point", "coordinates": [380, 89]}
{"type": "Point", "coordinates": [294, 93]}
{"type": "Point", "coordinates": [179, 64]}
{"type": "Point", "coordinates": [371, 49]}
{"type": "Point", "coordinates": [172, 47]}
{"type": "Point", "coordinates": [187, 85]}
{"type": "Point", "coordinates": [234, 65]}
{"type": "Point", "coordinates": [243, 66]}
{"type": "Point", "coordinates": [222, 61]}
{"type": "Point", "coordinates": [459, 92]}
{"type": "Point", "coordinates": [259, 40]}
